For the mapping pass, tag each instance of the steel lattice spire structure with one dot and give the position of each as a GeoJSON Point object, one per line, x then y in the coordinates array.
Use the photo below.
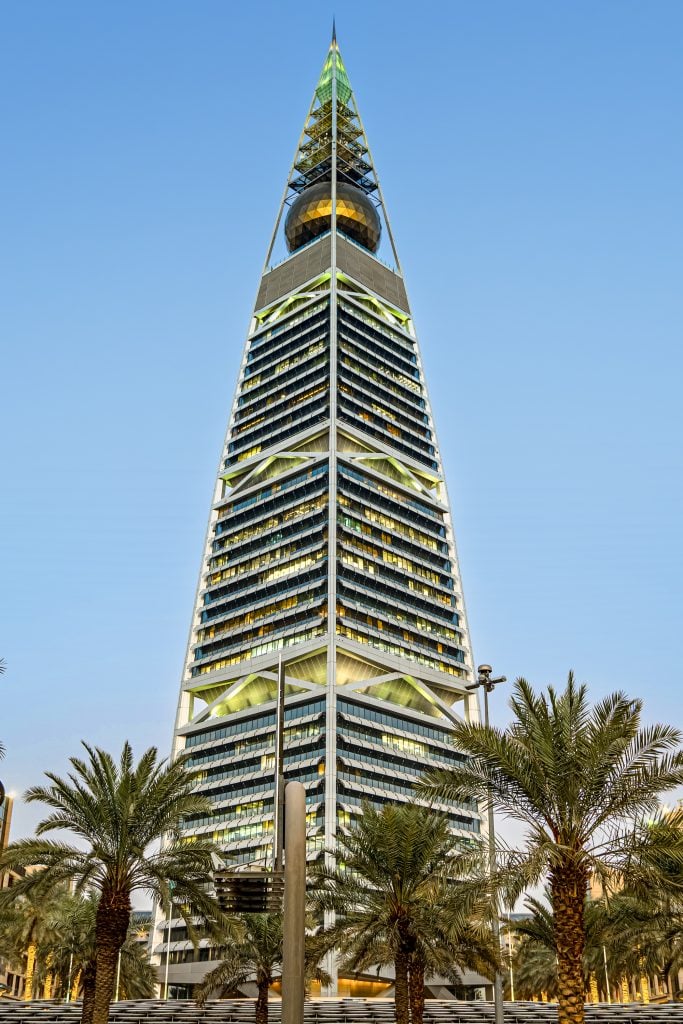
{"type": "Point", "coordinates": [330, 544]}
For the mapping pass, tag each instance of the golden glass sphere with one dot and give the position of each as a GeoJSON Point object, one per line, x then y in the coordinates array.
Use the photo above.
{"type": "Point", "coordinates": [310, 215]}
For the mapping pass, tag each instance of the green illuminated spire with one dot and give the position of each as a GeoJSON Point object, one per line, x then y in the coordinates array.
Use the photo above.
{"type": "Point", "coordinates": [334, 65]}
{"type": "Point", "coordinates": [314, 160]}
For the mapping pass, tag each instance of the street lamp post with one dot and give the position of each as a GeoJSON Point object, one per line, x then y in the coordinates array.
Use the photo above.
{"type": "Point", "coordinates": [488, 684]}
{"type": "Point", "coordinates": [512, 975]}
{"type": "Point", "coordinates": [609, 994]}
{"type": "Point", "coordinates": [68, 982]}
{"type": "Point", "coordinates": [118, 978]}
{"type": "Point", "coordinates": [168, 945]}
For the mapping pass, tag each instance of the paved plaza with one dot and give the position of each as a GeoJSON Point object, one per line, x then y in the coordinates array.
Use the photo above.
{"type": "Point", "coordinates": [331, 1011]}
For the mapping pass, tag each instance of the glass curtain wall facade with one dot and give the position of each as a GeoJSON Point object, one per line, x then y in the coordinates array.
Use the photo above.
{"type": "Point", "coordinates": [330, 542]}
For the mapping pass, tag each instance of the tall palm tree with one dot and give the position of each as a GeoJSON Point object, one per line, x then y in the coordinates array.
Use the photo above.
{"type": "Point", "coordinates": [120, 813]}
{"type": "Point", "coordinates": [583, 781]}
{"type": "Point", "coordinates": [397, 901]}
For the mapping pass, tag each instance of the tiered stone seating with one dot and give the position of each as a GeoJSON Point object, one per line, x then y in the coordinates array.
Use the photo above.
{"type": "Point", "coordinates": [332, 1011]}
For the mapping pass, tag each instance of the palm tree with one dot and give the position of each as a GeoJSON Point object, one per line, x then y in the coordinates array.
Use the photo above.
{"type": "Point", "coordinates": [397, 901]}
{"type": "Point", "coordinates": [72, 951]}
{"type": "Point", "coordinates": [25, 924]}
{"type": "Point", "coordinates": [120, 813]}
{"type": "Point", "coordinates": [535, 959]}
{"type": "Point", "coordinates": [644, 932]}
{"type": "Point", "coordinates": [637, 934]}
{"type": "Point", "coordinates": [73, 948]}
{"type": "Point", "coordinates": [77, 935]}
{"type": "Point", "coordinates": [256, 955]}
{"type": "Point", "coordinates": [583, 781]}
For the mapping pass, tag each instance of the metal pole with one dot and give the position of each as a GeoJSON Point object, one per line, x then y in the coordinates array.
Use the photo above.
{"type": "Point", "coordinates": [118, 977]}
{"type": "Point", "coordinates": [279, 810]}
{"type": "Point", "coordinates": [604, 958]}
{"type": "Point", "coordinates": [512, 975]}
{"type": "Point", "coordinates": [168, 948]}
{"type": "Point", "coordinates": [294, 923]}
{"type": "Point", "coordinates": [498, 978]}
{"type": "Point", "coordinates": [68, 984]}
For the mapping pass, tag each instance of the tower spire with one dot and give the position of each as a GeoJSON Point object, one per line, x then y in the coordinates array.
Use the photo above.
{"type": "Point", "coordinates": [324, 130]}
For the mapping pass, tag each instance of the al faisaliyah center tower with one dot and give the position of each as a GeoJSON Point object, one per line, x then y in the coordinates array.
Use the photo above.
{"type": "Point", "coordinates": [330, 546]}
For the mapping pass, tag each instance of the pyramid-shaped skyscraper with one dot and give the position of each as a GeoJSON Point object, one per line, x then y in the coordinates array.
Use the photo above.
{"type": "Point", "coordinates": [330, 545]}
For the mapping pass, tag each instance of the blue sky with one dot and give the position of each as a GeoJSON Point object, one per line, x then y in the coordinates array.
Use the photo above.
{"type": "Point", "coordinates": [531, 156]}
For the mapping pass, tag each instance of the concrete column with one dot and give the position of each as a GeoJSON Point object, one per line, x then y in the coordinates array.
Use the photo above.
{"type": "Point", "coordinates": [294, 926]}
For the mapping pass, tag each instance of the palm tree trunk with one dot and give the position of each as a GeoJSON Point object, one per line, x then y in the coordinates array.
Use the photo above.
{"type": "Point", "coordinates": [672, 982]}
{"type": "Point", "coordinates": [645, 989]}
{"type": "Point", "coordinates": [261, 1015]}
{"type": "Point", "coordinates": [568, 885]}
{"type": "Point", "coordinates": [416, 989]}
{"type": "Point", "coordinates": [76, 984]}
{"type": "Point", "coordinates": [401, 1000]}
{"type": "Point", "coordinates": [111, 927]}
{"type": "Point", "coordinates": [89, 979]}
{"type": "Point", "coordinates": [30, 971]}
{"type": "Point", "coordinates": [47, 986]}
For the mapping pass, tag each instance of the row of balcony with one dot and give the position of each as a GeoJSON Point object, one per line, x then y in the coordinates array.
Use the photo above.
{"type": "Point", "coordinates": [249, 725]}
{"type": "Point", "coordinates": [415, 422]}
{"type": "Point", "coordinates": [383, 346]}
{"type": "Point", "coordinates": [378, 330]}
{"type": "Point", "coordinates": [264, 351]}
{"type": "Point", "coordinates": [309, 415]}
{"type": "Point", "coordinates": [256, 596]}
{"type": "Point", "coordinates": [242, 510]}
{"type": "Point", "coordinates": [277, 534]}
{"type": "Point", "coordinates": [352, 516]}
{"type": "Point", "coordinates": [283, 373]}
{"type": "Point", "coordinates": [430, 518]}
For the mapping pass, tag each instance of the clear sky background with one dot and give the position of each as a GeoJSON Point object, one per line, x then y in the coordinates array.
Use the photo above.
{"type": "Point", "coordinates": [532, 158]}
